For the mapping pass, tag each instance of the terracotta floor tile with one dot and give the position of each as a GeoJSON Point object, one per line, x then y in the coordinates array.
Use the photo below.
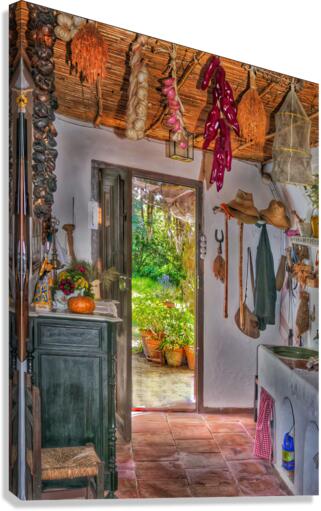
{"type": "Point", "coordinates": [197, 445]}
{"type": "Point", "coordinates": [250, 430]}
{"type": "Point", "coordinates": [198, 431]}
{"type": "Point", "coordinates": [250, 468]}
{"type": "Point", "coordinates": [184, 415]}
{"type": "Point", "coordinates": [156, 470]}
{"type": "Point", "coordinates": [221, 417]}
{"type": "Point", "coordinates": [238, 453]}
{"type": "Point", "coordinates": [225, 489]}
{"type": "Point", "coordinates": [164, 489]}
{"type": "Point", "coordinates": [150, 452]}
{"type": "Point", "coordinates": [149, 416]}
{"type": "Point", "coordinates": [202, 460]}
{"type": "Point", "coordinates": [232, 439]}
{"type": "Point", "coordinates": [211, 476]}
{"type": "Point", "coordinates": [150, 427]}
{"type": "Point", "coordinates": [152, 438]}
{"type": "Point", "coordinates": [226, 427]}
{"type": "Point", "coordinates": [265, 485]}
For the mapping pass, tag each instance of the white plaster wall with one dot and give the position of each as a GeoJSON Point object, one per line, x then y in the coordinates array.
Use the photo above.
{"type": "Point", "coordinates": [230, 356]}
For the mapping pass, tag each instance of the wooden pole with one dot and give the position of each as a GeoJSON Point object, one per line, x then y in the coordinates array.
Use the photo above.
{"type": "Point", "coordinates": [226, 270]}
{"type": "Point", "coordinates": [69, 228]}
{"type": "Point", "coordinates": [241, 277]}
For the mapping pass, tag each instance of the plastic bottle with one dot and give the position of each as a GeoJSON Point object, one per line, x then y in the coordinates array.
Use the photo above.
{"type": "Point", "coordinates": [288, 452]}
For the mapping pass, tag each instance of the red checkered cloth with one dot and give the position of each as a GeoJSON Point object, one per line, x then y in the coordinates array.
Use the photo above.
{"type": "Point", "coordinates": [263, 438]}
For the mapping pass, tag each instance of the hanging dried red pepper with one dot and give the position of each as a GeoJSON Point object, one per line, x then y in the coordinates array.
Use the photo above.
{"type": "Point", "coordinates": [220, 119]}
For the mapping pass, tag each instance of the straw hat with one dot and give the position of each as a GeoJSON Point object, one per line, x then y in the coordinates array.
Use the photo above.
{"type": "Point", "coordinates": [242, 208]}
{"type": "Point", "coordinates": [276, 215]}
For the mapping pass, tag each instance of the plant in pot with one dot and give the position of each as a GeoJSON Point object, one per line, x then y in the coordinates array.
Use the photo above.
{"type": "Point", "coordinates": [189, 335]}
{"type": "Point", "coordinates": [178, 332]}
{"type": "Point", "coordinates": [149, 315]}
{"type": "Point", "coordinates": [168, 292]}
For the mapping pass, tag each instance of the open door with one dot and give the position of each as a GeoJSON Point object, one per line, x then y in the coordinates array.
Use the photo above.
{"type": "Point", "coordinates": [115, 250]}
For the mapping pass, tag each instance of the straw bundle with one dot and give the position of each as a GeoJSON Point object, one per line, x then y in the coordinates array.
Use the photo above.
{"type": "Point", "coordinates": [89, 53]}
{"type": "Point", "coordinates": [252, 116]}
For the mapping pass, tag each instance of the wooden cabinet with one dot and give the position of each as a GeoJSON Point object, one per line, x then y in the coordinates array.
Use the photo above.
{"type": "Point", "coordinates": [74, 367]}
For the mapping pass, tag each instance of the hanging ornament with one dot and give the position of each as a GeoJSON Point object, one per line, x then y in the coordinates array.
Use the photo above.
{"type": "Point", "coordinates": [252, 116]}
{"type": "Point", "coordinates": [137, 105]}
{"type": "Point", "coordinates": [221, 118]}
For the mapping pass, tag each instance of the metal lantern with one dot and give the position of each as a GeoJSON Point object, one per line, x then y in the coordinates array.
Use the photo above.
{"type": "Point", "coordinates": [179, 153]}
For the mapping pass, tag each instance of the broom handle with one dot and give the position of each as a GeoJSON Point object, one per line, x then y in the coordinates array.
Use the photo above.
{"type": "Point", "coordinates": [226, 270]}
{"type": "Point", "coordinates": [241, 277]}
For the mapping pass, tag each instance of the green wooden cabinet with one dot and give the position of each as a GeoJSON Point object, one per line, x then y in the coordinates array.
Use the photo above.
{"type": "Point", "coordinates": [74, 367]}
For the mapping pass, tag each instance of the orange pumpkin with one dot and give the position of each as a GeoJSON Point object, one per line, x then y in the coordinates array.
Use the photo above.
{"type": "Point", "coordinates": [81, 305]}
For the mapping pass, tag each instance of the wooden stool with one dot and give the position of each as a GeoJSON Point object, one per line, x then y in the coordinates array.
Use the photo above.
{"type": "Point", "coordinates": [58, 463]}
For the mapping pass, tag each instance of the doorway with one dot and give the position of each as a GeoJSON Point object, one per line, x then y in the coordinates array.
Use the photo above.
{"type": "Point", "coordinates": [113, 189]}
{"type": "Point", "coordinates": [163, 295]}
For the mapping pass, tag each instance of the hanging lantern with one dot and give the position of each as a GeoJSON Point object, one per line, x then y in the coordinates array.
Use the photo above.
{"type": "Point", "coordinates": [291, 147]}
{"type": "Point", "coordinates": [89, 53]}
{"type": "Point", "coordinates": [179, 151]}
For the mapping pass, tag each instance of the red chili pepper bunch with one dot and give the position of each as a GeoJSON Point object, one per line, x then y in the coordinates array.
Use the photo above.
{"type": "Point", "coordinates": [221, 118]}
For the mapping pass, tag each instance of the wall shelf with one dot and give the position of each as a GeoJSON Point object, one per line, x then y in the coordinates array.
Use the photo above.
{"type": "Point", "coordinates": [304, 240]}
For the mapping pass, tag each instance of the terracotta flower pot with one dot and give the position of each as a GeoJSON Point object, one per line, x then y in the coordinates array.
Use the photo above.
{"type": "Point", "coordinates": [190, 355]}
{"type": "Point", "coordinates": [174, 357]}
{"type": "Point", "coordinates": [169, 304]}
{"type": "Point", "coordinates": [81, 305]}
{"type": "Point", "coordinates": [150, 344]}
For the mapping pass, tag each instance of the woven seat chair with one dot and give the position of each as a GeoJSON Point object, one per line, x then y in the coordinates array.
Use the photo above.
{"type": "Point", "coordinates": [58, 463]}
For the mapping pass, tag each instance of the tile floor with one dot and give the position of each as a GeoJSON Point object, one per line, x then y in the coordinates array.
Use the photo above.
{"type": "Point", "coordinates": [156, 386]}
{"type": "Point", "coordinates": [191, 455]}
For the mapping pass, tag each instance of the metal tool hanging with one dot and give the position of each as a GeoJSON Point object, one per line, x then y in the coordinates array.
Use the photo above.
{"type": "Point", "coordinates": [219, 263]}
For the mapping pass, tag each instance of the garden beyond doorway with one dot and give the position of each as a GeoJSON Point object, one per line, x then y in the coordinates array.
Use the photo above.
{"type": "Point", "coordinates": [163, 295]}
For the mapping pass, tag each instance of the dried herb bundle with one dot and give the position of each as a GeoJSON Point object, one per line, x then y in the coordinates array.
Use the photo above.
{"type": "Point", "coordinates": [89, 53]}
{"type": "Point", "coordinates": [252, 116]}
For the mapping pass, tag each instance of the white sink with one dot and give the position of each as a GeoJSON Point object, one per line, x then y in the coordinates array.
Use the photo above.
{"type": "Point", "coordinates": [295, 393]}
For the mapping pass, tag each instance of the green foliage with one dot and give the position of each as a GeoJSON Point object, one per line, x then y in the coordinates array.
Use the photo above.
{"type": "Point", "coordinates": [154, 250]}
{"type": "Point", "coordinates": [313, 194]}
{"type": "Point", "coordinates": [174, 326]}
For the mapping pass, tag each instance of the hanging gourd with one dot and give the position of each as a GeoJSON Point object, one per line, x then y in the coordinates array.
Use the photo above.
{"type": "Point", "coordinates": [89, 56]}
{"type": "Point", "coordinates": [291, 148]}
{"type": "Point", "coordinates": [175, 121]}
{"type": "Point", "coordinates": [137, 105]}
{"type": "Point", "coordinates": [252, 117]}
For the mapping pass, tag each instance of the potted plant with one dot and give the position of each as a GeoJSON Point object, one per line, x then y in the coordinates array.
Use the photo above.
{"type": "Point", "coordinates": [149, 315]}
{"type": "Point", "coordinates": [189, 346]}
{"type": "Point", "coordinates": [178, 332]}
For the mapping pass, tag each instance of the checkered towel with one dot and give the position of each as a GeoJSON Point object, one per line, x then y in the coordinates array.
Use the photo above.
{"type": "Point", "coordinates": [263, 438]}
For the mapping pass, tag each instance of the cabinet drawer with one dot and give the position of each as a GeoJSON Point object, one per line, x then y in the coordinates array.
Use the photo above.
{"type": "Point", "coordinates": [65, 334]}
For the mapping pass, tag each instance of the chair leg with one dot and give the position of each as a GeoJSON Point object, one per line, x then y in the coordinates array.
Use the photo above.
{"type": "Point", "coordinates": [100, 482]}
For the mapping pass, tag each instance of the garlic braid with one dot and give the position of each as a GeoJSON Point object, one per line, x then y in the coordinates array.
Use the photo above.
{"type": "Point", "coordinates": [137, 93]}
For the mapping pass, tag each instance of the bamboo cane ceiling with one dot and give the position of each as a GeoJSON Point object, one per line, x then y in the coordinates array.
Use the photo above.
{"type": "Point", "coordinates": [79, 101]}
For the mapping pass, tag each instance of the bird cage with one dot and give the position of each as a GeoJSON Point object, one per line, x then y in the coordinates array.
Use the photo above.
{"type": "Point", "coordinates": [291, 147]}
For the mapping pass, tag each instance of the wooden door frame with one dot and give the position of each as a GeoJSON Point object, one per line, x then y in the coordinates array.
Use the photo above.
{"type": "Point", "coordinates": [199, 313]}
